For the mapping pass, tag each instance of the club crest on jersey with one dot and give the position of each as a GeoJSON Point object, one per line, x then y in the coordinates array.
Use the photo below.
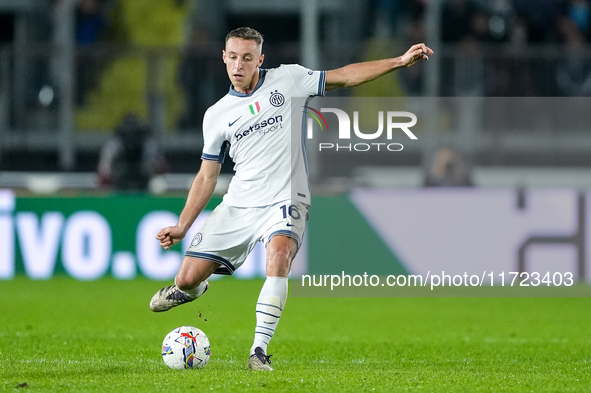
{"type": "Point", "coordinates": [197, 239]}
{"type": "Point", "coordinates": [277, 99]}
{"type": "Point", "coordinates": [255, 108]}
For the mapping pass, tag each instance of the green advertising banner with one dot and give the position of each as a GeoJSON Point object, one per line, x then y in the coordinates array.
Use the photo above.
{"type": "Point", "coordinates": [91, 237]}
{"type": "Point", "coordinates": [88, 237]}
{"type": "Point", "coordinates": [452, 237]}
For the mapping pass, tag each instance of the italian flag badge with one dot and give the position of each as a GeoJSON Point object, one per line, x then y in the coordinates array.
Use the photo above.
{"type": "Point", "coordinates": [255, 108]}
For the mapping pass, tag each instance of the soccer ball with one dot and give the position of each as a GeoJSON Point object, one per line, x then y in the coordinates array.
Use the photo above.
{"type": "Point", "coordinates": [186, 347]}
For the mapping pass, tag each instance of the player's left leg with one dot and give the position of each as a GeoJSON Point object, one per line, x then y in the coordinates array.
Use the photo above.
{"type": "Point", "coordinates": [280, 252]}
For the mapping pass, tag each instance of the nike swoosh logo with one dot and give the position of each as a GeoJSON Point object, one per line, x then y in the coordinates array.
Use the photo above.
{"type": "Point", "coordinates": [232, 123]}
{"type": "Point", "coordinates": [290, 225]}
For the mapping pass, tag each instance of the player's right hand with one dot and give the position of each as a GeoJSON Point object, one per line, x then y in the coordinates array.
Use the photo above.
{"type": "Point", "coordinates": [170, 236]}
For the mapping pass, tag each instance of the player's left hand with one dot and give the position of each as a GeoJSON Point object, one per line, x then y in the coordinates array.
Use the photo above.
{"type": "Point", "coordinates": [416, 53]}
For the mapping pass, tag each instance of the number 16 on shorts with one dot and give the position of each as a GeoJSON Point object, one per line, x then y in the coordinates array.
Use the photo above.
{"type": "Point", "coordinates": [291, 210]}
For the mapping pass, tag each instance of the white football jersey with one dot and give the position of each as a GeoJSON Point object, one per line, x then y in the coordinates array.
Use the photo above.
{"type": "Point", "coordinates": [270, 164]}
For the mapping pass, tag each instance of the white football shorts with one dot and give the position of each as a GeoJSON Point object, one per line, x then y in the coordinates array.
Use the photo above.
{"type": "Point", "coordinates": [230, 233]}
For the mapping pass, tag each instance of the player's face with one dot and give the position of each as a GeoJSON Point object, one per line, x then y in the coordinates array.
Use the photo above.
{"type": "Point", "coordinates": [243, 59]}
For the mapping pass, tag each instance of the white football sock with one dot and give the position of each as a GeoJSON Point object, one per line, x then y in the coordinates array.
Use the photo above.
{"type": "Point", "coordinates": [269, 307]}
{"type": "Point", "coordinates": [195, 292]}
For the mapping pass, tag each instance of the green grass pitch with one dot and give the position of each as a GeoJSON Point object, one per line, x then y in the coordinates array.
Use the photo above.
{"type": "Point", "coordinates": [66, 335]}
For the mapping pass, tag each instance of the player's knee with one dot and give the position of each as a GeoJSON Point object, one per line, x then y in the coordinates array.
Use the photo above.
{"type": "Point", "coordinates": [184, 282]}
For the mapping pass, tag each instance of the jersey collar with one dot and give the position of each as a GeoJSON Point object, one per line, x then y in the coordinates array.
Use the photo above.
{"type": "Point", "coordinates": [262, 73]}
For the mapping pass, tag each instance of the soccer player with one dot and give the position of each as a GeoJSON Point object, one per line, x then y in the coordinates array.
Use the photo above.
{"type": "Point", "coordinates": [269, 195]}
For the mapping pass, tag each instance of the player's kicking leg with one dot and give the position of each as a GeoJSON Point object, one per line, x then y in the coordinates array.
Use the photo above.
{"type": "Point", "coordinates": [280, 252]}
{"type": "Point", "coordinates": [190, 283]}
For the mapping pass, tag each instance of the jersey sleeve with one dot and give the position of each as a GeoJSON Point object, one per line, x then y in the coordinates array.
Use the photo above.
{"type": "Point", "coordinates": [214, 142]}
{"type": "Point", "coordinates": [307, 82]}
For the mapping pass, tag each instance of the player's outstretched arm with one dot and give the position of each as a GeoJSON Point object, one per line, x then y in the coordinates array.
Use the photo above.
{"type": "Point", "coordinates": [199, 194]}
{"type": "Point", "coordinates": [359, 73]}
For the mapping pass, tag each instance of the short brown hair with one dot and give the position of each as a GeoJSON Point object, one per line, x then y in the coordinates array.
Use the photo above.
{"type": "Point", "coordinates": [246, 33]}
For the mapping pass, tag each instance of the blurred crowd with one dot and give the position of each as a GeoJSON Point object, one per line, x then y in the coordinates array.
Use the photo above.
{"type": "Point", "coordinates": [502, 21]}
{"type": "Point", "coordinates": [517, 22]}
{"type": "Point", "coordinates": [492, 48]}
{"type": "Point", "coordinates": [91, 21]}
{"type": "Point", "coordinates": [500, 47]}
{"type": "Point", "coordinates": [507, 48]}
